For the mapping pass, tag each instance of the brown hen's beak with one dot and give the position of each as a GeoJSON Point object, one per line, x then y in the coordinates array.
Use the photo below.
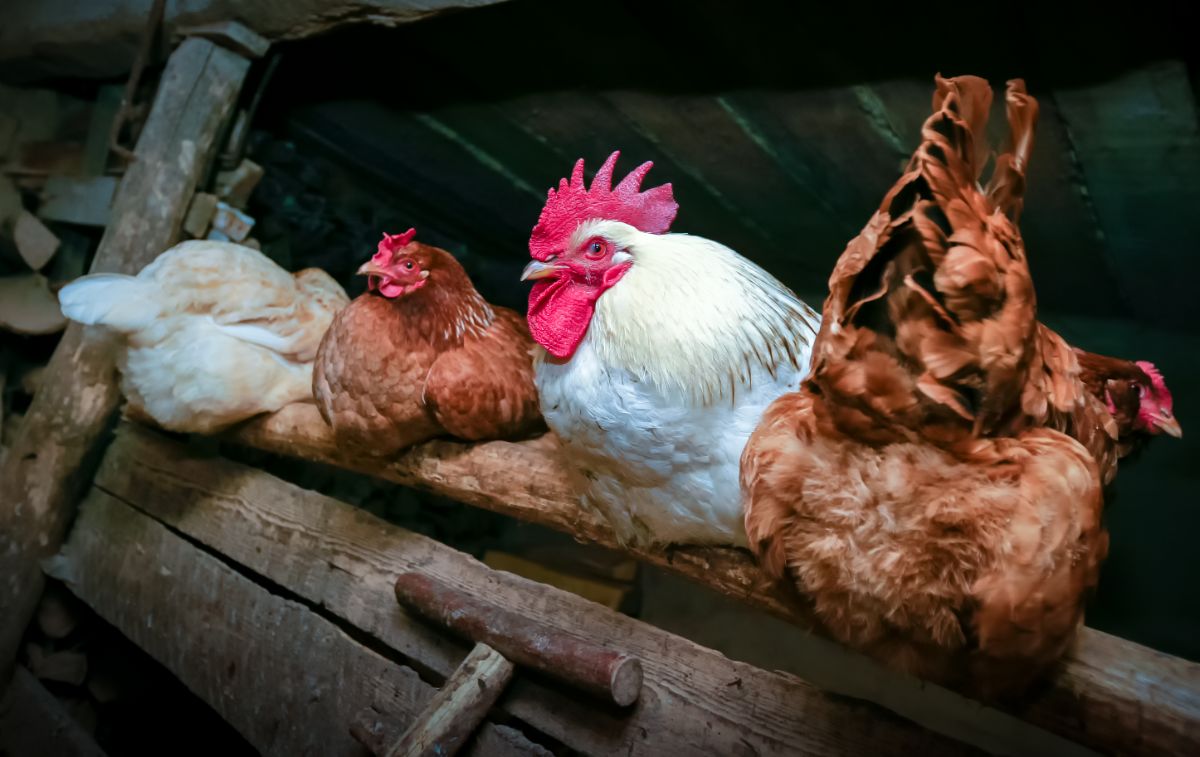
{"type": "Point", "coordinates": [539, 270]}
{"type": "Point", "coordinates": [1169, 426]}
{"type": "Point", "coordinates": [370, 269]}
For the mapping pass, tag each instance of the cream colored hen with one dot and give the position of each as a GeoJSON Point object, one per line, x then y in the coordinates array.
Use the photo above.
{"type": "Point", "coordinates": [210, 333]}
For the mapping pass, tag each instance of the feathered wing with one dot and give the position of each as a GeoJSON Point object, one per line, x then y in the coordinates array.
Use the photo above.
{"type": "Point", "coordinates": [485, 389]}
{"type": "Point", "coordinates": [917, 488]}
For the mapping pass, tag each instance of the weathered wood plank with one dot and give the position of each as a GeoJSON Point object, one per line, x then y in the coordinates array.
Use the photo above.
{"type": "Point", "coordinates": [74, 405]}
{"type": "Point", "coordinates": [287, 679]}
{"type": "Point", "coordinates": [1099, 699]}
{"type": "Point", "coordinates": [33, 723]}
{"type": "Point", "coordinates": [693, 700]}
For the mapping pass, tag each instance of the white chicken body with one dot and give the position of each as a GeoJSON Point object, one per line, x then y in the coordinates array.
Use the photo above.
{"type": "Point", "coordinates": [210, 333]}
{"type": "Point", "coordinates": [681, 359]}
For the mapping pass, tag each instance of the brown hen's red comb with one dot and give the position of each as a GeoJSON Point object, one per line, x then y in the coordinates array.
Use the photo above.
{"type": "Point", "coordinates": [391, 243]}
{"type": "Point", "coordinates": [651, 211]}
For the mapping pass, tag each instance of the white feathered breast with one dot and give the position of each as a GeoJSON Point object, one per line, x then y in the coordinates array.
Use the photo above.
{"type": "Point", "coordinates": [682, 357]}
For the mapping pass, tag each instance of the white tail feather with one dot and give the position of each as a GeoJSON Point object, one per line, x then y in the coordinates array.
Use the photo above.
{"type": "Point", "coordinates": [121, 303]}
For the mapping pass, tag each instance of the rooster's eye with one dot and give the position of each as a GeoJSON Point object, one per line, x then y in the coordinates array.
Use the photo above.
{"type": "Point", "coordinates": [595, 249]}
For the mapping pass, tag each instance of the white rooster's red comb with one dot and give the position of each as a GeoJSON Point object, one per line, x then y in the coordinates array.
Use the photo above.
{"type": "Point", "coordinates": [391, 243]}
{"type": "Point", "coordinates": [650, 211]}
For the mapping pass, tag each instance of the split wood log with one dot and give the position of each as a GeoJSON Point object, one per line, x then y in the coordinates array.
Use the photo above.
{"type": "Point", "coordinates": [1111, 695]}
{"type": "Point", "coordinates": [33, 723]}
{"type": "Point", "coordinates": [345, 561]}
{"type": "Point", "coordinates": [444, 726]}
{"type": "Point", "coordinates": [287, 679]}
{"type": "Point", "coordinates": [607, 673]}
{"type": "Point", "coordinates": [48, 462]}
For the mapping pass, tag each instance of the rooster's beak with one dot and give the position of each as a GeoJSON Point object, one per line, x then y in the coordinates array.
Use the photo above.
{"type": "Point", "coordinates": [370, 269]}
{"type": "Point", "coordinates": [1168, 425]}
{"type": "Point", "coordinates": [539, 270]}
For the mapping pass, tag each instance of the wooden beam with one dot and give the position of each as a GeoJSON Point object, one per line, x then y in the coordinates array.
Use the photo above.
{"type": "Point", "coordinates": [446, 723]}
{"type": "Point", "coordinates": [33, 723]}
{"type": "Point", "coordinates": [1111, 695]}
{"type": "Point", "coordinates": [47, 464]}
{"type": "Point", "coordinates": [290, 681]}
{"type": "Point", "coordinates": [42, 38]}
{"type": "Point", "coordinates": [693, 700]}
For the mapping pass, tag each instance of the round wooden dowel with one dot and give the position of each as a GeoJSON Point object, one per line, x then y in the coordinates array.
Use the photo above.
{"type": "Point", "coordinates": [613, 675]}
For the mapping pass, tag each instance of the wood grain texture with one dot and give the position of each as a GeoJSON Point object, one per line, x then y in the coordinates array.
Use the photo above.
{"type": "Point", "coordinates": [287, 679]}
{"type": "Point", "coordinates": [47, 464]}
{"type": "Point", "coordinates": [444, 726]}
{"type": "Point", "coordinates": [607, 673]}
{"type": "Point", "coordinates": [1111, 695]}
{"type": "Point", "coordinates": [693, 700]}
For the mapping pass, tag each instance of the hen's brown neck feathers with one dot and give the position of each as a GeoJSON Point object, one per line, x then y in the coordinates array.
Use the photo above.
{"type": "Point", "coordinates": [447, 309]}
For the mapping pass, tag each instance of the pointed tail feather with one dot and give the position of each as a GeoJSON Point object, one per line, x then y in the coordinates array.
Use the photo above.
{"type": "Point", "coordinates": [121, 303]}
{"type": "Point", "coordinates": [1007, 186]}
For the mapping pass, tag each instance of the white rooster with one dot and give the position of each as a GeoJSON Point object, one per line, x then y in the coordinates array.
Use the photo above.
{"type": "Point", "coordinates": [660, 353]}
{"type": "Point", "coordinates": [210, 333]}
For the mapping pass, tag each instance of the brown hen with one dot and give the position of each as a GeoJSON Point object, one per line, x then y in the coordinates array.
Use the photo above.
{"type": "Point", "coordinates": [421, 354]}
{"type": "Point", "coordinates": [934, 487]}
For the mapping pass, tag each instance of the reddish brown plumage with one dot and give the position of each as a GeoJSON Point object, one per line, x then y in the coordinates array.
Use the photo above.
{"type": "Point", "coordinates": [935, 486]}
{"type": "Point", "coordinates": [436, 361]}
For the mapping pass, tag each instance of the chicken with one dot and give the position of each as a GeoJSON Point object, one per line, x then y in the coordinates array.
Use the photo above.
{"type": "Point", "coordinates": [1135, 394]}
{"type": "Point", "coordinates": [934, 487]}
{"type": "Point", "coordinates": [210, 333]}
{"type": "Point", "coordinates": [658, 354]}
{"type": "Point", "coordinates": [421, 354]}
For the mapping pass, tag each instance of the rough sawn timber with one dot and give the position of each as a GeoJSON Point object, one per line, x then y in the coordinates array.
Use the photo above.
{"type": "Point", "coordinates": [1111, 695]}
{"type": "Point", "coordinates": [287, 679]}
{"type": "Point", "coordinates": [337, 557]}
{"type": "Point", "coordinates": [46, 467]}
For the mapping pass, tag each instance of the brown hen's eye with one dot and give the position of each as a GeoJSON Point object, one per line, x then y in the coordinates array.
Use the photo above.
{"type": "Point", "coordinates": [408, 266]}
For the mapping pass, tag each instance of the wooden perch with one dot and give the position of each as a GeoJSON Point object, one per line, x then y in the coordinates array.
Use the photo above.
{"type": "Point", "coordinates": [607, 673]}
{"type": "Point", "coordinates": [450, 718]}
{"type": "Point", "coordinates": [47, 464]}
{"type": "Point", "coordinates": [1111, 695]}
{"type": "Point", "coordinates": [345, 561]}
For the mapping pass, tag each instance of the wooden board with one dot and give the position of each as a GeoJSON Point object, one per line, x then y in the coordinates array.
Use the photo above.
{"type": "Point", "coordinates": [290, 681]}
{"type": "Point", "coordinates": [693, 701]}
{"type": "Point", "coordinates": [1112, 695]}
{"type": "Point", "coordinates": [48, 461]}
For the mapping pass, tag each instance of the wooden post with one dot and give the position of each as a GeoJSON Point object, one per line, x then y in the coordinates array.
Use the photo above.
{"type": "Point", "coordinates": [450, 718]}
{"type": "Point", "coordinates": [44, 471]}
{"type": "Point", "coordinates": [612, 675]}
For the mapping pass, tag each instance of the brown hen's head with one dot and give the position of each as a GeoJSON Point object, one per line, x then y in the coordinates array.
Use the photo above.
{"type": "Point", "coordinates": [1134, 392]}
{"type": "Point", "coordinates": [402, 266]}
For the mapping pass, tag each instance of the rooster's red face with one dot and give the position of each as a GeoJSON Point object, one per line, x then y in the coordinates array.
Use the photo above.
{"type": "Point", "coordinates": [399, 267]}
{"type": "Point", "coordinates": [572, 265]}
{"type": "Point", "coordinates": [567, 286]}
